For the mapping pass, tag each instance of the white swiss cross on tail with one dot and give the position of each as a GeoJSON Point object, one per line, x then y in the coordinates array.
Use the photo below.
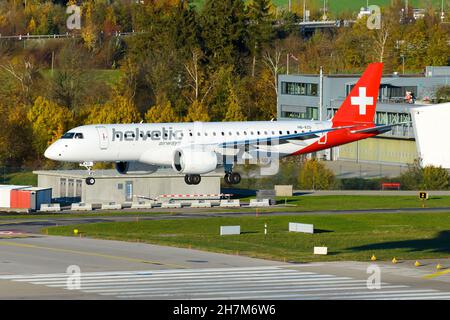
{"type": "Point", "coordinates": [362, 101]}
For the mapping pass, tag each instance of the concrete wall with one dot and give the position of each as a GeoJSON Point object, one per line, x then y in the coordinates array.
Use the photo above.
{"type": "Point", "coordinates": [380, 151]}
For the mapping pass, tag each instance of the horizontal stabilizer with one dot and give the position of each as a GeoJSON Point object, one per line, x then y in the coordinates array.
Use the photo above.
{"type": "Point", "coordinates": [379, 129]}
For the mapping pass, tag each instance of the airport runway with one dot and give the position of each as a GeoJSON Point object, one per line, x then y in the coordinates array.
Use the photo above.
{"type": "Point", "coordinates": [35, 267]}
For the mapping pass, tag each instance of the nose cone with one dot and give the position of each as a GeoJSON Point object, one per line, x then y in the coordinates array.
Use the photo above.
{"type": "Point", "coordinates": [51, 153]}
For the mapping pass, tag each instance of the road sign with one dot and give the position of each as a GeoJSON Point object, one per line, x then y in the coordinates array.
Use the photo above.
{"type": "Point", "coordinates": [423, 195]}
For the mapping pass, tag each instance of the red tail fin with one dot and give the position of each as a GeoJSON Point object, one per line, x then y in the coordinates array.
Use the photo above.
{"type": "Point", "coordinates": [360, 104]}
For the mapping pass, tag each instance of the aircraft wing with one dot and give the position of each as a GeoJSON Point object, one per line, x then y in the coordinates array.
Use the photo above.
{"type": "Point", "coordinates": [279, 139]}
{"type": "Point", "coordinates": [379, 129]}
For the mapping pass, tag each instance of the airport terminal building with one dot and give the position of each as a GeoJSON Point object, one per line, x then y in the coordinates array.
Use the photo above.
{"type": "Point", "coordinates": [299, 98]}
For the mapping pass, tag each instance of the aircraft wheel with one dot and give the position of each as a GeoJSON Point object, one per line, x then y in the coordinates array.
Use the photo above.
{"type": "Point", "coordinates": [187, 179]}
{"type": "Point", "coordinates": [196, 178]}
{"type": "Point", "coordinates": [235, 178]}
{"type": "Point", "coordinates": [90, 181]}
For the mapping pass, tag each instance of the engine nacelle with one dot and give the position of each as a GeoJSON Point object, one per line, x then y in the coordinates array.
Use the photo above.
{"type": "Point", "coordinates": [122, 167]}
{"type": "Point", "coordinates": [191, 161]}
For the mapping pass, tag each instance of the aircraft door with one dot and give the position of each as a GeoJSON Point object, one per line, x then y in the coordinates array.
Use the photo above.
{"type": "Point", "coordinates": [103, 137]}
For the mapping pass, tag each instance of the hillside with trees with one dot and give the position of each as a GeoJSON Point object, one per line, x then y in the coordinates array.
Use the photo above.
{"type": "Point", "coordinates": [169, 60]}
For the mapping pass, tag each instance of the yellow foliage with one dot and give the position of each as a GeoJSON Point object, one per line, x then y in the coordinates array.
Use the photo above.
{"type": "Point", "coordinates": [234, 110]}
{"type": "Point", "coordinates": [197, 112]}
{"type": "Point", "coordinates": [49, 121]}
{"type": "Point", "coordinates": [161, 113]}
{"type": "Point", "coordinates": [119, 110]}
{"type": "Point", "coordinates": [31, 26]}
{"type": "Point", "coordinates": [315, 175]}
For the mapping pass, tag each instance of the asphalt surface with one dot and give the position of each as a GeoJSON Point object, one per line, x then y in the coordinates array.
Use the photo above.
{"type": "Point", "coordinates": [36, 267]}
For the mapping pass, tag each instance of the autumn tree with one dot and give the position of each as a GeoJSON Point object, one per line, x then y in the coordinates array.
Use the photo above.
{"type": "Point", "coordinates": [234, 110]}
{"type": "Point", "coordinates": [161, 113]}
{"type": "Point", "coordinates": [434, 178]}
{"type": "Point", "coordinates": [316, 176]}
{"type": "Point", "coordinates": [197, 112]}
{"type": "Point", "coordinates": [48, 121]}
{"type": "Point", "coordinates": [119, 110]}
{"type": "Point", "coordinates": [15, 136]}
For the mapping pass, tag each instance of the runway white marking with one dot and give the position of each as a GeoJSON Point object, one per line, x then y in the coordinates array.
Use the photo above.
{"type": "Point", "coordinates": [276, 282]}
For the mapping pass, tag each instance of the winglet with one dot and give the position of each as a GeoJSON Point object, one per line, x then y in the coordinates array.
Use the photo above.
{"type": "Point", "coordinates": [360, 104]}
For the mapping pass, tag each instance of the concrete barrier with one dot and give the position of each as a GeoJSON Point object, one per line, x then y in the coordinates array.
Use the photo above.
{"type": "Point", "coordinates": [259, 203]}
{"type": "Point", "coordinates": [201, 204]}
{"type": "Point", "coordinates": [230, 203]}
{"type": "Point", "coordinates": [111, 206]}
{"type": "Point", "coordinates": [50, 207]}
{"type": "Point", "coordinates": [81, 206]}
{"type": "Point", "coordinates": [301, 227]}
{"type": "Point", "coordinates": [227, 230]}
{"type": "Point", "coordinates": [143, 205]}
{"type": "Point", "coordinates": [171, 205]}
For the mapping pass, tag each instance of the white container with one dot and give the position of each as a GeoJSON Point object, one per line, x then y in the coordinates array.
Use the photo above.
{"type": "Point", "coordinates": [5, 194]}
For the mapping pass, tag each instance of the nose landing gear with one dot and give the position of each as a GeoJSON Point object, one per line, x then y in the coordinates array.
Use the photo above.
{"type": "Point", "coordinates": [192, 179]}
{"type": "Point", "coordinates": [90, 181]}
{"type": "Point", "coordinates": [88, 165]}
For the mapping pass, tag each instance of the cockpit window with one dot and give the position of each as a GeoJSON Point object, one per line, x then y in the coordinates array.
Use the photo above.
{"type": "Point", "coordinates": [78, 136]}
{"type": "Point", "coordinates": [68, 135]}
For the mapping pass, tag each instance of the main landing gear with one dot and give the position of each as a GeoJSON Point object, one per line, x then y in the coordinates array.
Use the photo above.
{"type": "Point", "coordinates": [232, 177]}
{"type": "Point", "coordinates": [192, 179]}
{"type": "Point", "coordinates": [88, 165]}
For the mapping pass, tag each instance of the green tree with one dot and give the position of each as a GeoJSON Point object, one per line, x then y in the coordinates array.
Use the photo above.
{"type": "Point", "coordinates": [412, 178]}
{"type": "Point", "coordinates": [224, 33]}
{"type": "Point", "coordinates": [260, 30]}
{"type": "Point", "coordinates": [314, 175]}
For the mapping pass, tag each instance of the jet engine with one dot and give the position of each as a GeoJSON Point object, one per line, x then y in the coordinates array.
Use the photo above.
{"type": "Point", "coordinates": [122, 167]}
{"type": "Point", "coordinates": [191, 161]}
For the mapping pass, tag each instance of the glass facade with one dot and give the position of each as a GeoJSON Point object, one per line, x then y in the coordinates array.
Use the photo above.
{"type": "Point", "coordinates": [299, 88]}
{"type": "Point", "coordinates": [310, 113]}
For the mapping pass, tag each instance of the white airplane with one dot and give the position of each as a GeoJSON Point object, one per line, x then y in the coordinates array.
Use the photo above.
{"type": "Point", "coordinates": [197, 148]}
